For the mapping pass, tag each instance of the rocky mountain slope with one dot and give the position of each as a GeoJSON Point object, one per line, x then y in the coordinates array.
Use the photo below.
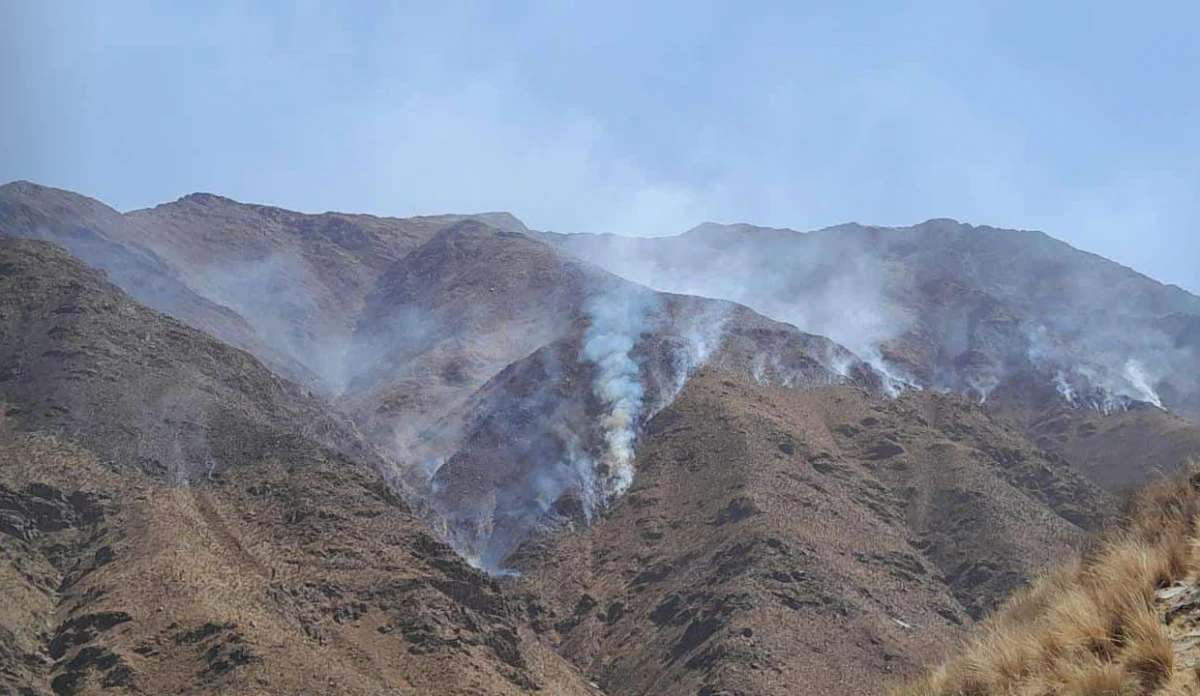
{"type": "Point", "coordinates": [541, 444]}
{"type": "Point", "coordinates": [947, 304]}
{"type": "Point", "coordinates": [697, 498]}
{"type": "Point", "coordinates": [409, 324]}
{"type": "Point", "coordinates": [803, 541]}
{"type": "Point", "coordinates": [82, 359]}
{"type": "Point", "coordinates": [105, 239]}
{"type": "Point", "coordinates": [228, 537]}
{"type": "Point", "coordinates": [1120, 618]}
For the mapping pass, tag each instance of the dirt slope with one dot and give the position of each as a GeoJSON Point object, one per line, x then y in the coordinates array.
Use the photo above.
{"type": "Point", "coordinates": [802, 541]}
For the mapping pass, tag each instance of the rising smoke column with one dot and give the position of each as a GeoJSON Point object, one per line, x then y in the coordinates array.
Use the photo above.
{"type": "Point", "coordinates": [617, 319]}
{"type": "Point", "coordinates": [1135, 373]}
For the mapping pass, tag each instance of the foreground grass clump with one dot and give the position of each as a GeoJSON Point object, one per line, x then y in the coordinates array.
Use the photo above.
{"type": "Point", "coordinates": [1092, 628]}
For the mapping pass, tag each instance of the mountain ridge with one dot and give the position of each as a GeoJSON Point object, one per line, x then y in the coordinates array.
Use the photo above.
{"type": "Point", "coordinates": [672, 493]}
{"type": "Point", "coordinates": [719, 228]}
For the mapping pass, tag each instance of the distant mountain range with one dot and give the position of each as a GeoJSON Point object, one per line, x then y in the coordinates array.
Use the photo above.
{"type": "Point", "coordinates": [737, 460]}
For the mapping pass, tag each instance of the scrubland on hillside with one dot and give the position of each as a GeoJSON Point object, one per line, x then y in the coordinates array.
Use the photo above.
{"type": "Point", "coordinates": [1121, 620]}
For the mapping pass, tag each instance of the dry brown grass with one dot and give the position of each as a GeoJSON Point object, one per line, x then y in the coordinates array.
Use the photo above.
{"type": "Point", "coordinates": [1091, 628]}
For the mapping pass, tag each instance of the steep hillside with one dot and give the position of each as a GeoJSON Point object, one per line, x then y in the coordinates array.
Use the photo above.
{"type": "Point", "coordinates": [697, 498]}
{"type": "Point", "coordinates": [105, 239]}
{"type": "Point", "coordinates": [802, 541]}
{"type": "Point", "coordinates": [419, 327]}
{"type": "Point", "coordinates": [550, 441]}
{"type": "Point", "coordinates": [176, 519]}
{"type": "Point", "coordinates": [1122, 619]}
{"type": "Point", "coordinates": [451, 315]}
{"type": "Point", "coordinates": [948, 306]}
{"type": "Point", "coordinates": [286, 286]}
{"type": "Point", "coordinates": [1100, 444]}
{"type": "Point", "coordinates": [80, 358]}
{"type": "Point", "coordinates": [295, 571]}
{"type": "Point", "coordinates": [301, 280]}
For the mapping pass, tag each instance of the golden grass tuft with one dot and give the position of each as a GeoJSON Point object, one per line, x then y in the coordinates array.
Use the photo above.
{"type": "Point", "coordinates": [1090, 628]}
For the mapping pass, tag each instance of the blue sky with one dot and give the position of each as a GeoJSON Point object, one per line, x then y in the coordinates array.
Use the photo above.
{"type": "Point", "coordinates": [1078, 118]}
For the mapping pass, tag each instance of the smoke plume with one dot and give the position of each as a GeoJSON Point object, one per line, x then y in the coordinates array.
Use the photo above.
{"type": "Point", "coordinates": [616, 321]}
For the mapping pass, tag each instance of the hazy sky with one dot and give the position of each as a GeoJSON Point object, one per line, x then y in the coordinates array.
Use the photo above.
{"type": "Point", "coordinates": [1078, 118]}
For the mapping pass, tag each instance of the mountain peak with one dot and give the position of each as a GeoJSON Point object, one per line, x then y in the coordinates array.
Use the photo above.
{"type": "Point", "coordinates": [205, 198]}
{"type": "Point", "coordinates": [21, 187]}
{"type": "Point", "coordinates": [943, 223]}
{"type": "Point", "coordinates": [502, 220]}
{"type": "Point", "coordinates": [714, 233]}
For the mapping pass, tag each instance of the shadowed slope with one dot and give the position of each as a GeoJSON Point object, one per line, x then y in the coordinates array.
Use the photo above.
{"type": "Point", "coordinates": [531, 450]}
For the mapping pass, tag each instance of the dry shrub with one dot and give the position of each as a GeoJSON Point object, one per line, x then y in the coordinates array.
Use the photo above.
{"type": "Point", "coordinates": [1090, 628]}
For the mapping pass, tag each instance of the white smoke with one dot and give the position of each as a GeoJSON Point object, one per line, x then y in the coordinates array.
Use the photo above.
{"type": "Point", "coordinates": [1106, 379]}
{"type": "Point", "coordinates": [617, 319]}
{"type": "Point", "coordinates": [895, 381]}
{"type": "Point", "coordinates": [1064, 388]}
{"type": "Point", "coordinates": [830, 288]}
{"type": "Point", "coordinates": [278, 296]}
{"type": "Point", "coordinates": [1135, 374]}
{"type": "Point", "coordinates": [983, 385]}
{"type": "Point", "coordinates": [866, 288]}
{"type": "Point", "coordinates": [694, 335]}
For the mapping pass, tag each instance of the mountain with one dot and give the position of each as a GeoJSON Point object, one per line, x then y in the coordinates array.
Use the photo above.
{"type": "Point", "coordinates": [174, 518]}
{"type": "Point", "coordinates": [282, 285]}
{"type": "Point", "coordinates": [300, 280]}
{"type": "Point", "coordinates": [105, 239]}
{"type": "Point", "coordinates": [83, 360]}
{"type": "Point", "coordinates": [549, 441]}
{"type": "Point", "coordinates": [451, 315]}
{"type": "Point", "coordinates": [943, 305]}
{"type": "Point", "coordinates": [815, 541]}
{"type": "Point", "coordinates": [736, 461]}
{"type": "Point", "coordinates": [408, 325]}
